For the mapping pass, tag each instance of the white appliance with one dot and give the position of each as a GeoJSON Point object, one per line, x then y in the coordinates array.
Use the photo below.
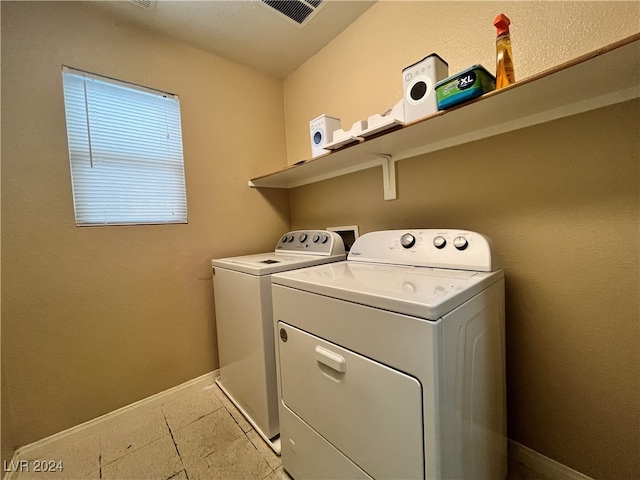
{"type": "Point", "coordinates": [321, 132]}
{"type": "Point", "coordinates": [419, 85]}
{"type": "Point", "coordinates": [391, 364]}
{"type": "Point", "coordinates": [244, 322]}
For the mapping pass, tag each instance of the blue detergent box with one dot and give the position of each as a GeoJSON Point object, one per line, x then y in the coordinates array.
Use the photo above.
{"type": "Point", "coordinates": [464, 86]}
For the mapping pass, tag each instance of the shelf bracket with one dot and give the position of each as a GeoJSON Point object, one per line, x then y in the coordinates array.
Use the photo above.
{"type": "Point", "coordinates": [388, 176]}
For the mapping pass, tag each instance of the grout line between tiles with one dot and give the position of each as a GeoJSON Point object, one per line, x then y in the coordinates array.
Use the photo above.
{"type": "Point", "coordinates": [100, 455]}
{"type": "Point", "coordinates": [259, 453]}
{"type": "Point", "coordinates": [176, 474]}
{"type": "Point", "coordinates": [175, 445]}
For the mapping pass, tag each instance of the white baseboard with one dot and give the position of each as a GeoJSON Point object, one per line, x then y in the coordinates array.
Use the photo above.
{"type": "Point", "coordinates": [131, 411]}
{"type": "Point", "coordinates": [548, 468]}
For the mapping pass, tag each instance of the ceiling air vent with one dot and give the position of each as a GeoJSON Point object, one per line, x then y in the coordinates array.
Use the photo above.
{"type": "Point", "coordinates": [297, 10]}
{"type": "Point", "coordinates": [146, 4]}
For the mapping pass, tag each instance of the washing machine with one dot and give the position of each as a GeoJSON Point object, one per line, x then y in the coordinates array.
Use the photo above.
{"type": "Point", "coordinates": [391, 364]}
{"type": "Point", "coordinates": [244, 322]}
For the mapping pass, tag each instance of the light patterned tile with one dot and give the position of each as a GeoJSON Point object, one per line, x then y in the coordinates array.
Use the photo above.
{"type": "Point", "coordinates": [519, 471]}
{"type": "Point", "coordinates": [188, 409]}
{"type": "Point", "coordinates": [59, 475]}
{"type": "Point", "coordinates": [233, 410]}
{"type": "Point", "coordinates": [279, 474]}
{"type": "Point", "coordinates": [55, 474]}
{"type": "Point", "coordinates": [77, 459]}
{"type": "Point", "coordinates": [265, 450]}
{"type": "Point", "coordinates": [124, 438]}
{"type": "Point", "coordinates": [180, 476]}
{"type": "Point", "coordinates": [157, 460]}
{"type": "Point", "coordinates": [237, 460]}
{"type": "Point", "coordinates": [202, 437]}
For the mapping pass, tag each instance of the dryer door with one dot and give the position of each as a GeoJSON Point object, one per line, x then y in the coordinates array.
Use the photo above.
{"type": "Point", "coordinates": [368, 411]}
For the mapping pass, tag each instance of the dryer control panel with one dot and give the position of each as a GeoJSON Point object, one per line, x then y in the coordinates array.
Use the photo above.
{"type": "Point", "coordinates": [456, 249]}
{"type": "Point", "coordinates": [313, 242]}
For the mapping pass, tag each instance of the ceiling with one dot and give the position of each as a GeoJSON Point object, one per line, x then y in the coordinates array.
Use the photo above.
{"type": "Point", "coordinates": [244, 31]}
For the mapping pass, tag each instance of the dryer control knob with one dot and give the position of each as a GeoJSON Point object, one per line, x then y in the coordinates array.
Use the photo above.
{"type": "Point", "coordinates": [407, 240]}
{"type": "Point", "coordinates": [302, 237]}
{"type": "Point", "coordinates": [460, 243]}
{"type": "Point", "coordinates": [285, 239]}
{"type": "Point", "coordinates": [316, 238]}
{"type": "Point", "coordinates": [439, 242]}
{"type": "Point", "coordinates": [324, 239]}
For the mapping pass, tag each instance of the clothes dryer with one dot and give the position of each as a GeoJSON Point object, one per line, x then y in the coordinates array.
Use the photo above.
{"type": "Point", "coordinates": [244, 321]}
{"type": "Point", "coordinates": [391, 364]}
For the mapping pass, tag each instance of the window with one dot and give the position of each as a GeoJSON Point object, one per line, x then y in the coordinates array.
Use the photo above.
{"type": "Point", "coordinates": [125, 150]}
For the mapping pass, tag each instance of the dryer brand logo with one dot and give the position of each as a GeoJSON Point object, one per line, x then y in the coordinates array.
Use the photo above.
{"type": "Point", "coordinates": [355, 254]}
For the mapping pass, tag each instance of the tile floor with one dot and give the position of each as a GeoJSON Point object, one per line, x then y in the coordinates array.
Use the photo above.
{"type": "Point", "coordinates": [518, 471]}
{"type": "Point", "coordinates": [199, 437]}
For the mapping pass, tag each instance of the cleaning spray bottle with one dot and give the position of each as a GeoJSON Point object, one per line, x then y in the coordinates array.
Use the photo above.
{"type": "Point", "coordinates": [504, 57]}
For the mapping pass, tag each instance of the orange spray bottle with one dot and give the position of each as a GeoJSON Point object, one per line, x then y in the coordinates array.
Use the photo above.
{"type": "Point", "coordinates": [505, 74]}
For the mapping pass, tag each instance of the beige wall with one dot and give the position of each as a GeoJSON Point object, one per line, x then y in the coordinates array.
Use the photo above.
{"type": "Point", "coordinates": [96, 318]}
{"type": "Point", "coordinates": [560, 201]}
{"type": "Point", "coordinates": [360, 72]}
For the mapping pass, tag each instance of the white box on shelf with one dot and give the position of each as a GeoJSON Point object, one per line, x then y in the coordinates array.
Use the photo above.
{"type": "Point", "coordinates": [419, 85]}
{"type": "Point", "coordinates": [385, 120]}
{"type": "Point", "coordinates": [341, 138]}
{"type": "Point", "coordinates": [321, 133]}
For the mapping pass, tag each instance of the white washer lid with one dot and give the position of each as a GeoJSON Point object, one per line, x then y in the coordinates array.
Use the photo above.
{"type": "Point", "coordinates": [423, 292]}
{"type": "Point", "coordinates": [268, 263]}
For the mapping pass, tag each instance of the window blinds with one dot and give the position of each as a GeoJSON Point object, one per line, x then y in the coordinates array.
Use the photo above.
{"type": "Point", "coordinates": [125, 150]}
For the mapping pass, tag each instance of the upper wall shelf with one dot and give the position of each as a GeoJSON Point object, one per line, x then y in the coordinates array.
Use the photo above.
{"type": "Point", "coordinates": [604, 77]}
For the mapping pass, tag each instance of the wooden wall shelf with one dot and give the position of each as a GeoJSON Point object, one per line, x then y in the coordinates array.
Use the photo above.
{"type": "Point", "coordinates": [604, 77]}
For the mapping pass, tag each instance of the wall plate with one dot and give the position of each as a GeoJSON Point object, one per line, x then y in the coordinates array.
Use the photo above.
{"type": "Point", "coordinates": [348, 233]}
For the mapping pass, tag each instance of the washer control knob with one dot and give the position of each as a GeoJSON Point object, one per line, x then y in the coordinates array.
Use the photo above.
{"type": "Point", "coordinates": [285, 239]}
{"type": "Point", "coordinates": [302, 237]}
{"type": "Point", "coordinates": [316, 238]}
{"type": "Point", "coordinates": [407, 240]}
{"type": "Point", "coordinates": [291, 238]}
{"type": "Point", "coordinates": [460, 243]}
{"type": "Point", "coordinates": [439, 242]}
{"type": "Point", "coordinates": [324, 238]}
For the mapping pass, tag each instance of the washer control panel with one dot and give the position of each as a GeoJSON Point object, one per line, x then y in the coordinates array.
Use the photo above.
{"type": "Point", "coordinates": [314, 242]}
{"type": "Point", "coordinates": [457, 249]}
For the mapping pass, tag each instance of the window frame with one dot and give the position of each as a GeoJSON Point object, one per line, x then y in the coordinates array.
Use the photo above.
{"type": "Point", "coordinates": [158, 190]}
